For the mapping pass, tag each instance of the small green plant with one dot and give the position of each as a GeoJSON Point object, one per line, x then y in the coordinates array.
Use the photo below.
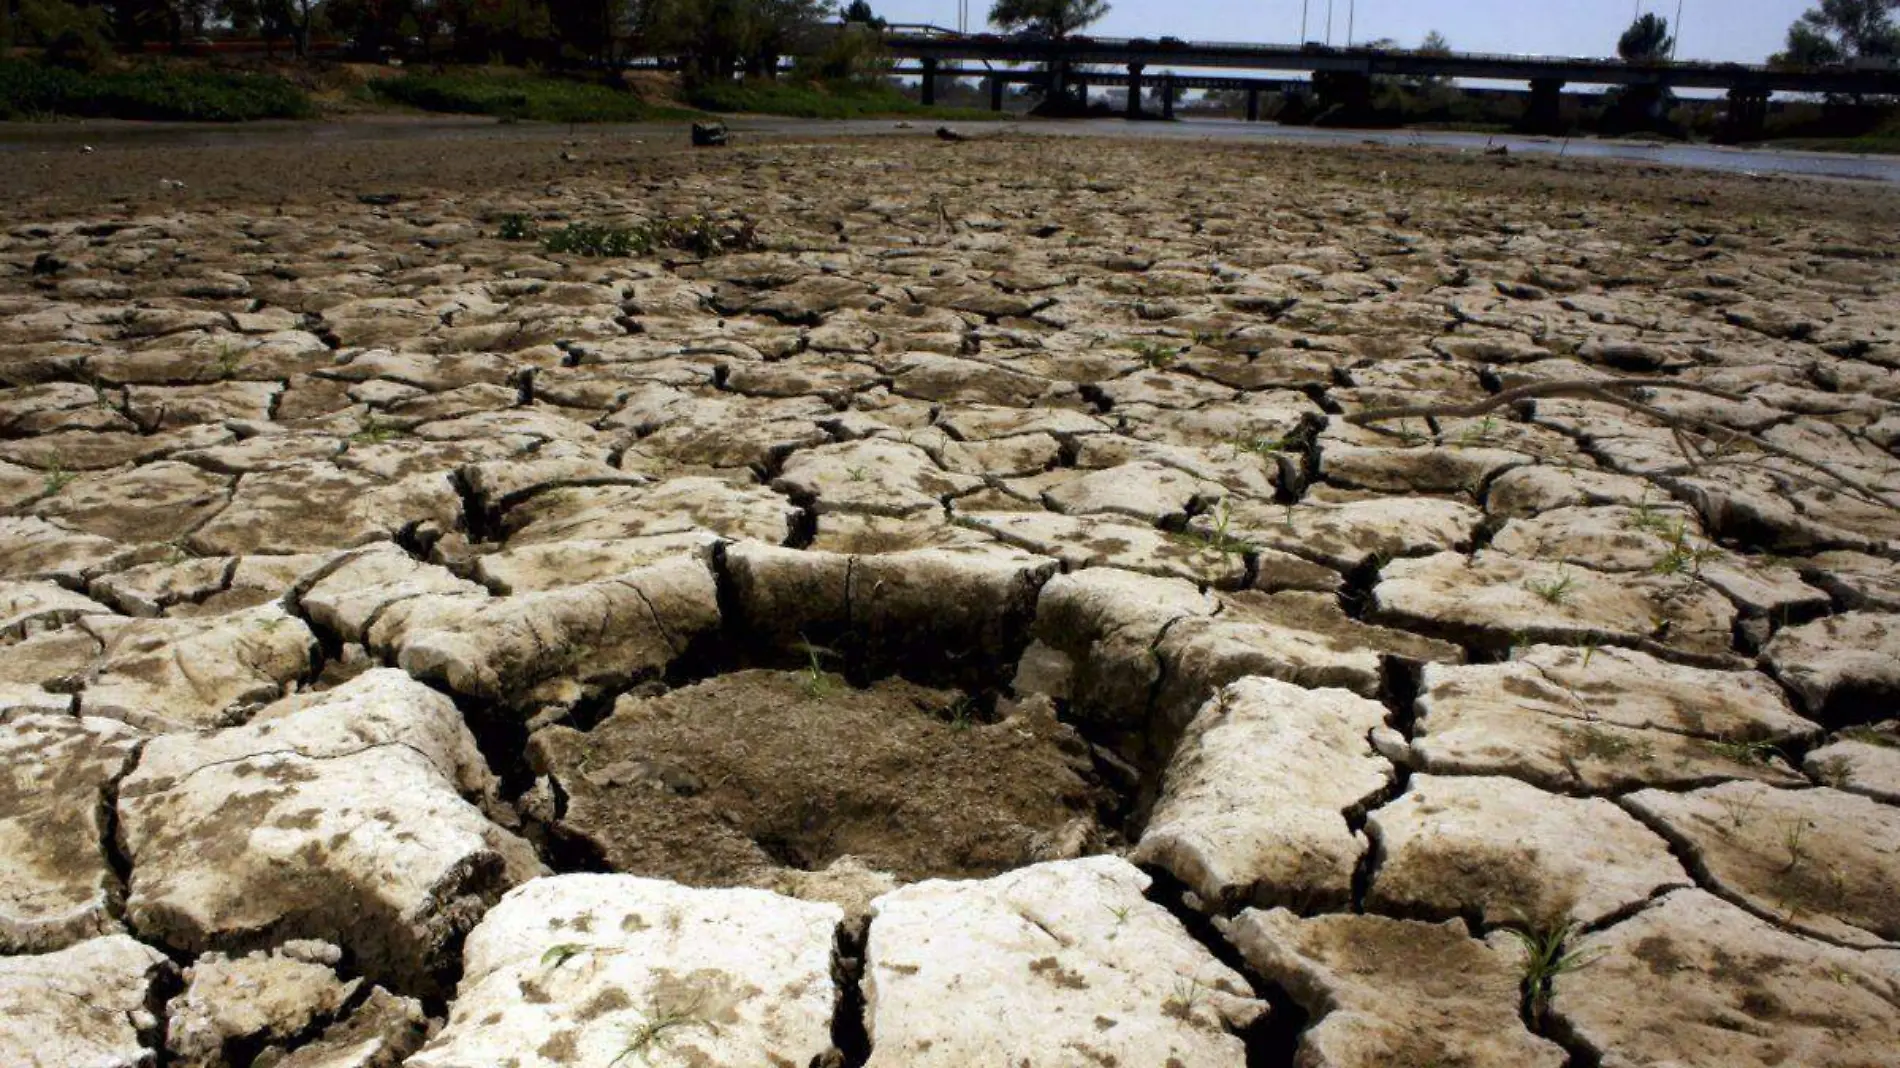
{"type": "Point", "coordinates": [1792, 835]}
{"type": "Point", "coordinates": [1261, 445]}
{"type": "Point", "coordinates": [1157, 356]}
{"type": "Point", "coordinates": [57, 477]}
{"type": "Point", "coordinates": [1740, 810]}
{"type": "Point", "coordinates": [818, 685]}
{"type": "Point", "coordinates": [1593, 742]}
{"type": "Point", "coordinates": [1208, 337]}
{"type": "Point", "coordinates": [1120, 914]}
{"type": "Point", "coordinates": [228, 358]}
{"type": "Point", "coordinates": [560, 954]}
{"type": "Point", "coordinates": [858, 473]}
{"type": "Point", "coordinates": [1481, 433]}
{"type": "Point", "coordinates": [1682, 557]}
{"type": "Point", "coordinates": [1745, 752]}
{"type": "Point", "coordinates": [658, 1030]}
{"type": "Point", "coordinates": [1645, 517]}
{"type": "Point", "coordinates": [1218, 539]}
{"type": "Point", "coordinates": [1870, 736]}
{"type": "Point", "coordinates": [962, 714]}
{"type": "Point", "coordinates": [1187, 994]}
{"type": "Point", "coordinates": [1407, 436]}
{"type": "Point", "coordinates": [515, 227]}
{"type": "Point", "coordinates": [375, 432]}
{"type": "Point", "coordinates": [1545, 959]}
{"type": "Point", "coordinates": [1555, 590]}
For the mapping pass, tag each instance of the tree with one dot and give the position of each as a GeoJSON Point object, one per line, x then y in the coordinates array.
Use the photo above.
{"type": "Point", "coordinates": [1839, 30]}
{"type": "Point", "coordinates": [716, 35]}
{"type": "Point", "coordinates": [1434, 44]}
{"type": "Point", "coordinates": [1054, 19]}
{"type": "Point", "coordinates": [860, 11]}
{"type": "Point", "coordinates": [1646, 40]}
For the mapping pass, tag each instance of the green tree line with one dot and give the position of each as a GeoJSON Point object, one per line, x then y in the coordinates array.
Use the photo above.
{"type": "Point", "coordinates": [714, 34]}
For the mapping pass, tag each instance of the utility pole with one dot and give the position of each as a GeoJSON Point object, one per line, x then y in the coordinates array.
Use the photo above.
{"type": "Point", "coordinates": [1303, 7]}
{"type": "Point", "coordinates": [1329, 23]}
{"type": "Point", "coordinates": [1677, 39]}
{"type": "Point", "coordinates": [1352, 16]}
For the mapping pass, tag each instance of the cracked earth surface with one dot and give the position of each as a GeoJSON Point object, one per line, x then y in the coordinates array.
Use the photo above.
{"type": "Point", "coordinates": [969, 628]}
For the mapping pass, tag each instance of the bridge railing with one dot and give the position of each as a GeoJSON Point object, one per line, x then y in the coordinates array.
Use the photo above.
{"type": "Point", "coordinates": [1084, 43]}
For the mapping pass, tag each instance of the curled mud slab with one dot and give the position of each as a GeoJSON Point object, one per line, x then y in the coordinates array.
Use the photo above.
{"type": "Point", "coordinates": [984, 619]}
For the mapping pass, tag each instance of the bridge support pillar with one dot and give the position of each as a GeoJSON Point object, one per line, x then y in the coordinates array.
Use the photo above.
{"type": "Point", "coordinates": [1134, 89]}
{"type": "Point", "coordinates": [1544, 113]}
{"type": "Point", "coordinates": [1747, 114]}
{"type": "Point", "coordinates": [996, 93]}
{"type": "Point", "coordinates": [929, 92]}
{"type": "Point", "coordinates": [1167, 96]}
{"type": "Point", "coordinates": [1253, 105]}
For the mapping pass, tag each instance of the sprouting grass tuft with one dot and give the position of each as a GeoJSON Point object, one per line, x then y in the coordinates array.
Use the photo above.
{"type": "Point", "coordinates": [1683, 557]}
{"type": "Point", "coordinates": [1745, 752]}
{"type": "Point", "coordinates": [1157, 356]}
{"type": "Point", "coordinates": [818, 685]}
{"type": "Point", "coordinates": [658, 1031]}
{"type": "Point", "coordinates": [1555, 590]}
{"type": "Point", "coordinates": [1218, 539]}
{"type": "Point", "coordinates": [1545, 959]}
{"type": "Point", "coordinates": [57, 477]}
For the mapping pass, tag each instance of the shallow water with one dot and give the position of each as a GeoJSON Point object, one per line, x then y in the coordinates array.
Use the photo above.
{"type": "Point", "coordinates": [15, 137]}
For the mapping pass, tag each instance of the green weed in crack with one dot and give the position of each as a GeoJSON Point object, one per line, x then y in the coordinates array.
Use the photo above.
{"type": "Point", "coordinates": [1545, 959]}
{"type": "Point", "coordinates": [1739, 810]}
{"type": "Point", "coordinates": [1217, 539]}
{"type": "Point", "coordinates": [1869, 736]}
{"type": "Point", "coordinates": [1157, 356]}
{"type": "Point", "coordinates": [57, 477]}
{"type": "Point", "coordinates": [1683, 558]}
{"type": "Point", "coordinates": [657, 1032]}
{"type": "Point", "coordinates": [1186, 996]}
{"type": "Point", "coordinates": [227, 361]}
{"type": "Point", "coordinates": [1262, 446]}
{"type": "Point", "coordinates": [1555, 590]}
{"type": "Point", "coordinates": [1792, 835]}
{"type": "Point", "coordinates": [962, 714]}
{"type": "Point", "coordinates": [818, 685]}
{"type": "Point", "coordinates": [1645, 517]}
{"type": "Point", "coordinates": [1481, 433]}
{"type": "Point", "coordinates": [1745, 752]}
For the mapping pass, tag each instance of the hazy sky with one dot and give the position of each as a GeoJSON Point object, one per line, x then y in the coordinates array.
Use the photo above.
{"type": "Point", "coordinates": [1741, 30]}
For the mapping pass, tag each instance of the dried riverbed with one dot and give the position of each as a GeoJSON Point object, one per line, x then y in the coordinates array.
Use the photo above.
{"type": "Point", "coordinates": [975, 623]}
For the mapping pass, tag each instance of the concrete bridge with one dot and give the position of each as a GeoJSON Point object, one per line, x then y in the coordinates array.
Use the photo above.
{"type": "Point", "coordinates": [1344, 75]}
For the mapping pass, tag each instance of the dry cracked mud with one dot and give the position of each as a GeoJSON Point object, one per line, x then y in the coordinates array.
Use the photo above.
{"type": "Point", "coordinates": [985, 619]}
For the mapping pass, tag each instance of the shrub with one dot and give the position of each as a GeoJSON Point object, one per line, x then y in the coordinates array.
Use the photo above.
{"type": "Point", "coordinates": [519, 96]}
{"type": "Point", "coordinates": [150, 91]}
